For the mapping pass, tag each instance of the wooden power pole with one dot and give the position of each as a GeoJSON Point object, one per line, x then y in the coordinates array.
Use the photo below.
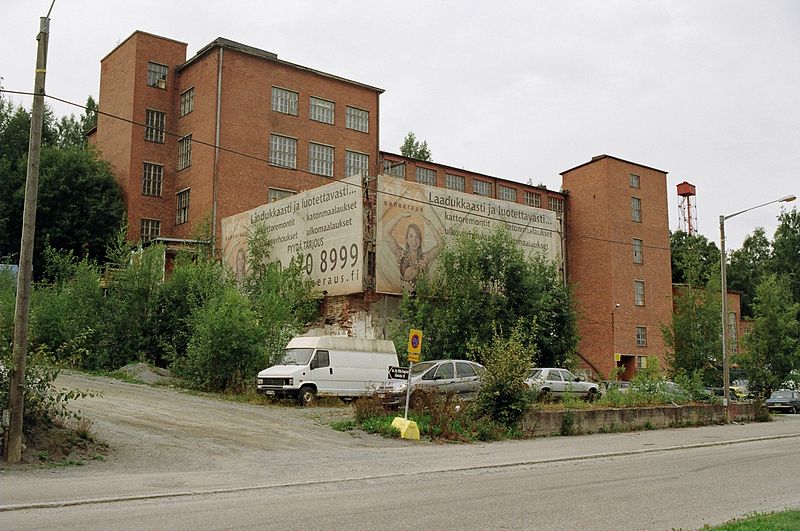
{"type": "Point", "coordinates": [25, 275]}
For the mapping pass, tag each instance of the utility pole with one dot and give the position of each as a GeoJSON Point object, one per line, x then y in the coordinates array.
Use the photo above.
{"type": "Point", "coordinates": [21, 311]}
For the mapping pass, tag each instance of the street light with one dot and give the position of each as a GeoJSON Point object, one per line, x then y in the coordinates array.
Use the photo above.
{"type": "Point", "coordinates": [725, 365]}
{"type": "Point", "coordinates": [613, 334]}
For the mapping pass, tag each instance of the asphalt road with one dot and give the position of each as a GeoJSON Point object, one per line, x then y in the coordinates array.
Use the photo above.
{"type": "Point", "coordinates": [682, 478]}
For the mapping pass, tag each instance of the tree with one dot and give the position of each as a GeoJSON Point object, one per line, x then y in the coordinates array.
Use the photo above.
{"type": "Point", "coordinates": [786, 251]}
{"type": "Point", "coordinates": [772, 346]}
{"type": "Point", "coordinates": [694, 259]}
{"type": "Point", "coordinates": [747, 267]}
{"type": "Point", "coordinates": [415, 149]}
{"type": "Point", "coordinates": [485, 285]}
{"type": "Point", "coordinates": [693, 336]}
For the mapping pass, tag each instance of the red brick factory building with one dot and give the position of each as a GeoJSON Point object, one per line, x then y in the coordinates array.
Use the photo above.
{"type": "Point", "coordinates": [234, 128]}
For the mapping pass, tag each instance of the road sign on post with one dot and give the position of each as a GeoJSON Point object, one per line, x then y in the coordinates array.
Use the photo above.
{"type": "Point", "coordinates": [398, 373]}
{"type": "Point", "coordinates": [414, 345]}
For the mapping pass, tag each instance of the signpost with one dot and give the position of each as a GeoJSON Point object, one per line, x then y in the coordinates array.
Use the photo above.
{"type": "Point", "coordinates": [399, 373]}
{"type": "Point", "coordinates": [408, 428]}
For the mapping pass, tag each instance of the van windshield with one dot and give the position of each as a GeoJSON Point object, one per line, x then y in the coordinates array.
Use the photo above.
{"type": "Point", "coordinates": [297, 356]}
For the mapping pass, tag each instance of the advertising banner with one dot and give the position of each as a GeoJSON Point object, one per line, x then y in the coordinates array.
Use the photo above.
{"type": "Point", "coordinates": [414, 221]}
{"type": "Point", "coordinates": [324, 225]}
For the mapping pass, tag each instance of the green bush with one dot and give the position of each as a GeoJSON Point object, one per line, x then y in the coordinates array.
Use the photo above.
{"type": "Point", "coordinates": [226, 347]}
{"type": "Point", "coordinates": [504, 397]}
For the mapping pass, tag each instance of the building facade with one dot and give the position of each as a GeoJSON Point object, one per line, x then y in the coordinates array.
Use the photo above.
{"type": "Point", "coordinates": [234, 127]}
{"type": "Point", "coordinates": [227, 130]}
{"type": "Point", "coordinates": [618, 262]}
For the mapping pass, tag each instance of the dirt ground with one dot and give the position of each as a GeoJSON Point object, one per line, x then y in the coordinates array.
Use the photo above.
{"type": "Point", "coordinates": [161, 428]}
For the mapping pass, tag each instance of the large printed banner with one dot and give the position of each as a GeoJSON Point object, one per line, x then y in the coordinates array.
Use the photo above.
{"type": "Point", "coordinates": [324, 225]}
{"type": "Point", "coordinates": [415, 220]}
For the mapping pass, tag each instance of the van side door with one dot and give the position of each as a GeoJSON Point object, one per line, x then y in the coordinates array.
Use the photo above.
{"type": "Point", "coordinates": [321, 371]}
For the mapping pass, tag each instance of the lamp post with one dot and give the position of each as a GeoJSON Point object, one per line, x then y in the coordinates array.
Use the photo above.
{"type": "Point", "coordinates": [613, 335]}
{"type": "Point", "coordinates": [725, 364]}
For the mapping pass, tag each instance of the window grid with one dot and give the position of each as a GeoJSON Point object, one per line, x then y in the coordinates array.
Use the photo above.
{"type": "Point", "coordinates": [284, 101]}
{"type": "Point", "coordinates": [636, 209]}
{"type": "Point", "coordinates": [555, 204]}
{"type": "Point", "coordinates": [276, 194]}
{"type": "Point", "coordinates": [732, 333]}
{"type": "Point", "coordinates": [638, 292]}
{"type": "Point", "coordinates": [533, 199]}
{"type": "Point", "coordinates": [481, 188]}
{"type": "Point", "coordinates": [454, 182]}
{"type": "Point", "coordinates": [641, 362]}
{"type": "Point", "coordinates": [507, 193]}
{"type": "Point", "coordinates": [149, 229]}
{"type": "Point", "coordinates": [426, 176]}
{"type": "Point", "coordinates": [322, 110]}
{"type": "Point", "coordinates": [185, 152]}
{"type": "Point", "coordinates": [187, 101]}
{"type": "Point", "coordinates": [154, 126]}
{"type": "Point", "coordinates": [152, 178]}
{"type": "Point", "coordinates": [182, 212]}
{"type": "Point", "coordinates": [157, 75]}
{"type": "Point", "coordinates": [641, 336]}
{"type": "Point", "coordinates": [394, 168]}
{"type": "Point", "coordinates": [355, 163]}
{"type": "Point", "coordinates": [283, 151]}
{"type": "Point", "coordinates": [635, 182]}
{"type": "Point", "coordinates": [638, 251]}
{"type": "Point", "coordinates": [320, 159]}
{"type": "Point", "coordinates": [357, 119]}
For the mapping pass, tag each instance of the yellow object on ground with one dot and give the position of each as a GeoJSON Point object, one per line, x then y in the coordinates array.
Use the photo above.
{"type": "Point", "coordinates": [408, 428]}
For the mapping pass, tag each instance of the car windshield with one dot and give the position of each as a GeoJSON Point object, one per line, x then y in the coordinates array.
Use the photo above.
{"type": "Point", "coordinates": [296, 356]}
{"type": "Point", "coordinates": [419, 368]}
{"type": "Point", "coordinates": [781, 394]}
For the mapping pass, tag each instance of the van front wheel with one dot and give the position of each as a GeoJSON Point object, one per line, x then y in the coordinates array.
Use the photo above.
{"type": "Point", "coordinates": [306, 395]}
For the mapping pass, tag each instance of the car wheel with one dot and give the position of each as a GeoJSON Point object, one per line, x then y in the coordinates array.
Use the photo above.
{"type": "Point", "coordinates": [591, 395]}
{"type": "Point", "coordinates": [544, 395]}
{"type": "Point", "coordinates": [306, 395]}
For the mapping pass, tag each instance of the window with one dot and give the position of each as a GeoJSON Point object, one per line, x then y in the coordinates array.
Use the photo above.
{"type": "Point", "coordinates": [454, 182]}
{"type": "Point", "coordinates": [445, 372]}
{"type": "Point", "coordinates": [482, 188]}
{"type": "Point", "coordinates": [636, 209]}
{"type": "Point", "coordinates": [149, 229]}
{"type": "Point", "coordinates": [284, 101]}
{"type": "Point", "coordinates": [357, 119]}
{"type": "Point", "coordinates": [152, 178]}
{"type": "Point", "coordinates": [182, 212]}
{"type": "Point", "coordinates": [641, 336]}
{"type": "Point", "coordinates": [507, 193]}
{"type": "Point", "coordinates": [321, 110]}
{"type": "Point", "coordinates": [283, 151]}
{"type": "Point", "coordinates": [465, 370]}
{"type": "Point", "coordinates": [554, 376]}
{"type": "Point", "coordinates": [355, 163]}
{"type": "Point", "coordinates": [641, 362]}
{"type": "Point", "coordinates": [157, 75]}
{"type": "Point", "coordinates": [394, 168]}
{"type": "Point", "coordinates": [187, 101]}
{"type": "Point", "coordinates": [185, 152]}
{"type": "Point", "coordinates": [555, 204]}
{"type": "Point", "coordinates": [276, 194]}
{"type": "Point", "coordinates": [320, 159]}
{"type": "Point", "coordinates": [426, 176]}
{"type": "Point", "coordinates": [634, 180]}
{"type": "Point", "coordinates": [321, 359]}
{"type": "Point", "coordinates": [154, 126]}
{"type": "Point", "coordinates": [638, 251]}
{"type": "Point", "coordinates": [533, 199]}
{"type": "Point", "coordinates": [638, 292]}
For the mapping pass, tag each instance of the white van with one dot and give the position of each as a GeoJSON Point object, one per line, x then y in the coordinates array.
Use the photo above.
{"type": "Point", "coordinates": [340, 366]}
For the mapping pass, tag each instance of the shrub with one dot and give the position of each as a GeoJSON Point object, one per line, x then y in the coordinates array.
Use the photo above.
{"type": "Point", "coordinates": [226, 349]}
{"type": "Point", "coordinates": [504, 397]}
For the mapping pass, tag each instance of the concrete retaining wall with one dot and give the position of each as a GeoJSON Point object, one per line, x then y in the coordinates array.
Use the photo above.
{"type": "Point", "coordinates": [578, 421]}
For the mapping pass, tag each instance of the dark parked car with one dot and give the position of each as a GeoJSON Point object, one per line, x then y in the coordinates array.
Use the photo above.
{"type": "Point", "coordinates": [459, 377]}
{"type": "Point", "coordinates": [784, 400]}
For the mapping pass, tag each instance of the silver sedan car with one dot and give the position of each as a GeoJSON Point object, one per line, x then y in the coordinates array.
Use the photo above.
{"type": "Point", "coordinates": [552, 382]}
{"type": "Point", "coordinates": [459, 377]}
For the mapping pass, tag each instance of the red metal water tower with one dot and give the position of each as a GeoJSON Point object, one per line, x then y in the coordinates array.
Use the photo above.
{"type": "Point", "coordinates": [687, 217]}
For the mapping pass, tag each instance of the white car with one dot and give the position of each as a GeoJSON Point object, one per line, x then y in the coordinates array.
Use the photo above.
{"type": "Point", "coordinates": [559, 382]}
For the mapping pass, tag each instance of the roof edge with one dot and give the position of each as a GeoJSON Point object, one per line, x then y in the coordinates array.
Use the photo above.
{"type": "Point", "coordinates": [139, 32]}
{"type": "Point", "coordinates": [604, 156]}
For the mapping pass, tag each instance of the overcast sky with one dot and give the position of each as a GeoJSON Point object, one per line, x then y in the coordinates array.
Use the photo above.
{"type": "Point", "coordinates": [708, 91]}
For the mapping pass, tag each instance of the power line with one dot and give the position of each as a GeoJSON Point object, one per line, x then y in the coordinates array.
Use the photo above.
{"type": "Point", "coordinates": [359, 186]}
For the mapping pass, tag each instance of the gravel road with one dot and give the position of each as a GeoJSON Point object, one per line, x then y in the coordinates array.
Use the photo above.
{"type": "Point", "coordinates": [162, 428]}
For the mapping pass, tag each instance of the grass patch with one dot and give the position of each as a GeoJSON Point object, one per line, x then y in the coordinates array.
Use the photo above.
{"type": "Point", "coordinates": [343, 425]}
{"type": "Point", "coordinates": [788, 520]}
